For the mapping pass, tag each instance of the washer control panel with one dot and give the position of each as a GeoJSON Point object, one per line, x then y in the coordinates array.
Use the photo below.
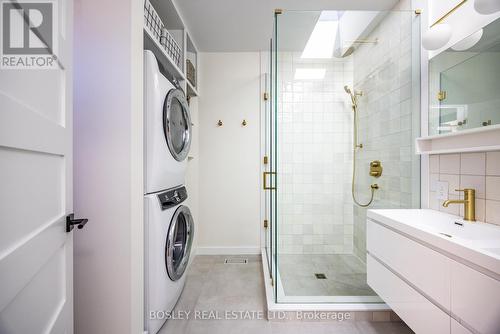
{"type": "Point", "coordinates": [172, 197]}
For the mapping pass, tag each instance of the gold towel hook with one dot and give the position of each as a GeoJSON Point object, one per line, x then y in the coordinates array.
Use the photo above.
{"type": "Point", "coordinates": [244, 123]}
{"type": "Point", "coordinates": [219, 123]}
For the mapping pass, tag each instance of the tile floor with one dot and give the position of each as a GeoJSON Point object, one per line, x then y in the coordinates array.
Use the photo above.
{"type": "Point", "coordinates": [214, 286]}
{"type": "Point", "coordinates": [345, 275]}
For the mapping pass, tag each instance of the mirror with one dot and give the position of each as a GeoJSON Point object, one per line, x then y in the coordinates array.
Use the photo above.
{"type": "Point", "coordinates": [464, 83]}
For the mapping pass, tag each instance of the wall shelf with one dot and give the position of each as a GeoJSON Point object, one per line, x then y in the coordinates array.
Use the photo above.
{"type": "Point", "coordinates": [473, 140]}
{"type": "Point", "coordinates": [191, 54]}
{"type": "Point", "coordinates": [168, 13]}
{"type": "Point", "coordinates": [150, 43]}
{"type": "Point", "coordinates": [191, 90]}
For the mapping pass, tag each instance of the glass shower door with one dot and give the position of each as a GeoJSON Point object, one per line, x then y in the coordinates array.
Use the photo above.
{"type": "Point", "coordinates": [269, 174]}
{"type": "Point", "coordinates": [317, 234]}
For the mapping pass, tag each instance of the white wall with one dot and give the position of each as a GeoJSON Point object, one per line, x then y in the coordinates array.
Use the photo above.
{"type": "Point", "coordinates": [108, 188]}
{"type": "Point", "coordinates": [229, 164]}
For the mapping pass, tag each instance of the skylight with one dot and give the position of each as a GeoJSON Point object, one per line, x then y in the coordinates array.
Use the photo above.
{"type": "Point", "coordinates": [322, 40]}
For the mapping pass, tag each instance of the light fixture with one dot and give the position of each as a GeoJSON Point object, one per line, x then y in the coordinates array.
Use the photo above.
{"type": "Point", "coordinates": [439, 33]}
{"type": "Point", "coordinates": [437, 36]}
{"type": "Point", "coordinates": [468, 42]}
{"type": "Point", "coordinates": [309, 74]}
{"type": "Point", "coordinates": [322, 39]}
{"type": "Point", "coordinates": [486, 7]}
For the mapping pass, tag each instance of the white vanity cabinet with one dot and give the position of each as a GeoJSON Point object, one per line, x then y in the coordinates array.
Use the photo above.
{"type": "Point", "coordinates": [475, 298]}
{"type": "Point", "coordinates": [425, 276]}
{"type": "Point", "coordinates": [417, 311]}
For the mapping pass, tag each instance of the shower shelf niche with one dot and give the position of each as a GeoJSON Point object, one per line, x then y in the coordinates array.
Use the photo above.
{"type": "Point", "coordinates": [473, 140]}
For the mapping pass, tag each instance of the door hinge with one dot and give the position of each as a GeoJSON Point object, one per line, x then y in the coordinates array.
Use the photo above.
{"type": "Point", "coordinates": [266, 159]}
{"type": "Point", "coordinates": [441, 95]}
{"type": "Point", "coordinates": [265, 223]}
{"type": "Point", "coordinates": [265, 186]}
{"type": "Point", "coordinates": [266, 96]}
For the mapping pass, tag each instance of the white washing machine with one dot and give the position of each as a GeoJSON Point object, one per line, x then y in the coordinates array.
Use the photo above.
{"type": "Point", "coordinates": [167, 130]}
{"type": "Point", "coordinates": [169, 232]}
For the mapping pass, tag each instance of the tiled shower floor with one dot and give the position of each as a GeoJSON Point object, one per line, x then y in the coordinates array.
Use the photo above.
{"type": "Point", "coordinates": [345, 275]}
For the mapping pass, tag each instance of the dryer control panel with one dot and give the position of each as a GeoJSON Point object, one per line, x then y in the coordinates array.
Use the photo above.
{"type": "Point", "coordinates": [172, 197]}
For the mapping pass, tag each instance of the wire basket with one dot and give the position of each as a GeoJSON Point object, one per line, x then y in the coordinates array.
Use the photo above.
{"type": "Point", "coordinates": [155, 25]}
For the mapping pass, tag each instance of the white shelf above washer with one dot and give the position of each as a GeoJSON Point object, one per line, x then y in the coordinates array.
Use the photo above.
{"type": "Point", "coordinates": [191, 90]}
{"type": "Point", "coordinates": [150, 43]}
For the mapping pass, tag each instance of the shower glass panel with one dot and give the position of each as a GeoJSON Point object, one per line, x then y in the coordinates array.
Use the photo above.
{"type": "Point", "coordinates": [327, 67]}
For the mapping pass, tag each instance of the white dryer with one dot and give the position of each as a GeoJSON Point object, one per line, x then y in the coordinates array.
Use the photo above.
{"type": "Point", "coordinates": [167, 130]}
{"type": "Point", "coordinates": [169, 232]}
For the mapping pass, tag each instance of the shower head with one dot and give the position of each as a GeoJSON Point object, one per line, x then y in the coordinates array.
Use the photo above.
{"type": "Point", "coordinates": [354, 96]}
{"type": "Point", "coordinates": [356, 92]}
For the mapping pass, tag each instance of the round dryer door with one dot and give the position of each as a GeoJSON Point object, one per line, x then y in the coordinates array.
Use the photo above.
{"type": "Point", "coordinates": [179, 240]}
{"type": "Point", "coordinates": [177, 124]}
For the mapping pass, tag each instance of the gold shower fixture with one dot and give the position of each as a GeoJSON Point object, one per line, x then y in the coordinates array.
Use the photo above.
{"type": "Point", "coordinates": [363, 41]}
{"type": "Point", "coordinates": [375, 168]}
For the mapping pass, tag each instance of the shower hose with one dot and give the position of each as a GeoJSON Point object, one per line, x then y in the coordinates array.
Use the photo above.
{"type": "Point", "coordinates": [355, 148]}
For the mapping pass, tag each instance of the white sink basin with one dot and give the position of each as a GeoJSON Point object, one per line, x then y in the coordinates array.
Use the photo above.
{"type": "Point", "coordinates": [493, 250]}
{"type": "Point", "coordinates": [478, 243]}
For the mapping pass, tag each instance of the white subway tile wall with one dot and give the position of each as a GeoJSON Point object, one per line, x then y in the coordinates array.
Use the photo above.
{"type": "Point", "coordinates": [480, 171]}
{"type": "Point", "coordinates": [315, 207]}
{"type": "Point", "coordinates": [387, 126]}
{"type": "Point", "coordinates": [314, 159]}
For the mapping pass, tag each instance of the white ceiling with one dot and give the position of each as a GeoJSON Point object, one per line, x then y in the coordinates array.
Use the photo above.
{"type": "Point", "coordinates": [246, 25]}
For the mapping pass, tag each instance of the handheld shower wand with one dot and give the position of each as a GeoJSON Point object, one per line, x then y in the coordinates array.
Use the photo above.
{"type": "Point", "coordinates": [356, 146]}
{"type": "Point", "coordinates": [354, 97]}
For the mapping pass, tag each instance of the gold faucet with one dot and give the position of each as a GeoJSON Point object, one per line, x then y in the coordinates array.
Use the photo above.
{"type": "Point", "coordinates": [469, 203]}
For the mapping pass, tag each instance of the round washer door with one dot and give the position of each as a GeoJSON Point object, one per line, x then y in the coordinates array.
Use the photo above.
{"type": "Point", "coordinates": [179, 241]}
{"type": "Point", "coordinates": [177, 124]}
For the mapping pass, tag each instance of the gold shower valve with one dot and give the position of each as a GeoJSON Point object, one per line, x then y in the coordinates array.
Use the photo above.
{"type": "Point", "coordinates": [376, 168]}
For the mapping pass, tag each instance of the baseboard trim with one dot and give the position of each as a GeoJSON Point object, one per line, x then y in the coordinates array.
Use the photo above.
{"type": "Point", "coordinates": [227, 250]}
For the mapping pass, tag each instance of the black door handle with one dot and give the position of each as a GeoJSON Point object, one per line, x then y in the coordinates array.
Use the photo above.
{"type": "Point", "coordinates": [71, 222]}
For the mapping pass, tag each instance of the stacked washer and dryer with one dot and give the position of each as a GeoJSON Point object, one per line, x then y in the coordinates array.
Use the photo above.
{"type": "Point", "coordinates": [168, 224]}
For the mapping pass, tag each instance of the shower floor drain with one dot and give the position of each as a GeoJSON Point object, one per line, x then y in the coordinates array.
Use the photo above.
{"type": "Point", "coordinates": [320, 276]}
{"type": "Point", "coordinates": [236, 261]}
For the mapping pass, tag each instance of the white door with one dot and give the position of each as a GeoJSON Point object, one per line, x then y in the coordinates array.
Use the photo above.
{"type": "Point", "coordinates": [36, 253]}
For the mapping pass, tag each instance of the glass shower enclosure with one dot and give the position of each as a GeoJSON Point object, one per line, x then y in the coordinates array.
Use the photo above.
{"type": "Point", "coordinates": [326, 69]}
